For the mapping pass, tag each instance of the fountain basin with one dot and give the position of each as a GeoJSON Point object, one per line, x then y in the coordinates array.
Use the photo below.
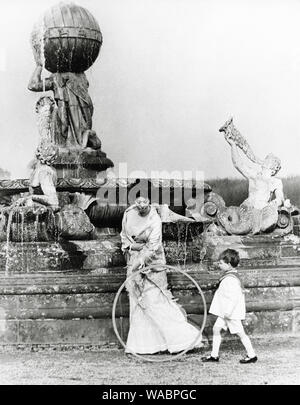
{"type": "Point", "coordinates": [182, 231]}
{"type": "Point", "coordinates": [114, 195]}
{"type": "Point", "coordinates": [28, 224]}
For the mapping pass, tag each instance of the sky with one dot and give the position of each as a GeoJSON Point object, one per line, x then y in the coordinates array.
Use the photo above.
{"type": "Point", "coordinates": [169, 74]}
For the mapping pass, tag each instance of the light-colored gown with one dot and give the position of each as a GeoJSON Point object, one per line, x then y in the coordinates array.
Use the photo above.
{"type": "Point", "coordinates": [157, 322]}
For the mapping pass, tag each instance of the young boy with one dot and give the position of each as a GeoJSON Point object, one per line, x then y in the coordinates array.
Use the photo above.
{"type": "Point", "coordinates": [229, 306]}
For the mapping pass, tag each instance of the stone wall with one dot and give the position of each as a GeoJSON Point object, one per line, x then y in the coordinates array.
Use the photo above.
{"type": "Point", "coordinates": [62, 293]}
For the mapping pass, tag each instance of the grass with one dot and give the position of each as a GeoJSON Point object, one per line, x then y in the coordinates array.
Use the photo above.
{"type": "Point", "coordinates": [278, 363]}
{"type": "Point", "coordinates": [235, 191]}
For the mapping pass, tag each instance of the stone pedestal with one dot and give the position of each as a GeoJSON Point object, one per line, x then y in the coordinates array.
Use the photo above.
{"type": "Point", "coordinates": [65, 291]}
{"type": "Point", "coordinates": [81, 163]}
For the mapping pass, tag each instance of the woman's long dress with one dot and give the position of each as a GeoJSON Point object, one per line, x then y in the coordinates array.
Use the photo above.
{"type": "Point", "coordinates": [157, 322]}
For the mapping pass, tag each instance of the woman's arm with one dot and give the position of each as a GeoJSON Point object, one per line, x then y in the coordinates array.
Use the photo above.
{"type": "Point", "coordinates": [154, 242]}
{"type": "Point", "coordinates": [126, 240]}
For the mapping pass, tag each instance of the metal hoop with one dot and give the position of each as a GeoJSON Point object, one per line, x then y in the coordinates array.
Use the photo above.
{"type": "Point", "coordinates": [159, 267]}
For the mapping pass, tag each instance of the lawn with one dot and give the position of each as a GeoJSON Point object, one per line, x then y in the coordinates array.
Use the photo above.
{"type": "Point", "coordinates": [279, 363]}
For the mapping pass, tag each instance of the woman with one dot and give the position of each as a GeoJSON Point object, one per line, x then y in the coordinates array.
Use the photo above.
{"type": "Point", "coordinates": [157, 323]}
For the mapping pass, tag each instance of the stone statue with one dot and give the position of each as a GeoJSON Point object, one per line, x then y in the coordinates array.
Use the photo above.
{"type": "Point", "coordinates": [44, 109]}
{"type": "Point", "coordinates": [231, 132]}
{"type": "Point", "coordinates": [73, 223]}
{"type": "Point", "coordinates": [67, 47]}
{"type": "Point", "coordinates": [259, 212]}
{"type": "Point", "coordinates": [72, 119]}
{"type": "Point", "coordinates": [167, 215]}
{"type": "Point", "coordinates": [43, 179]}
{"type": "Point", "coordinates": [31, 218]}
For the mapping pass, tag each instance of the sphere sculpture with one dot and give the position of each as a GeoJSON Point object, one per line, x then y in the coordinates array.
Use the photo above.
{"type": "Point", "coordinates": [67, 39]}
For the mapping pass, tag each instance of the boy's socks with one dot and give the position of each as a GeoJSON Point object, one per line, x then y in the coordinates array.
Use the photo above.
{"type": "Point", "coordinates": [248, 346]}
{"type": "Point", "coordinates": [216, 345]}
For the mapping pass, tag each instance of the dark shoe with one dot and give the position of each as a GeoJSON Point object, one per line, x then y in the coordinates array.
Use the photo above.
{"type": "Point", "coordinates": [248, 359]}
{"type": "Point", "coordinates": [210, 358]}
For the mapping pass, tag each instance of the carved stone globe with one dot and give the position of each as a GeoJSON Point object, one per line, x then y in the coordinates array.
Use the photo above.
{"type": "Point", "coordinates": [66, 39]}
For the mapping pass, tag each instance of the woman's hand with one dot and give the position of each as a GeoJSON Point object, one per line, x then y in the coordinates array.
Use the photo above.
{"type": "Point", "coordinates": [137, 264]}
{"type": "Point", "coordinates": [137, 246]}
{"type": "Point", "coordinates": [138, 239]}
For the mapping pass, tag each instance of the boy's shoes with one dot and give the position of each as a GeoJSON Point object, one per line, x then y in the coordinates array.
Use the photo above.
{"type": "Point", "coordinates": [248, 359]}
{"type": "Point", "coordinates": [210, 358]}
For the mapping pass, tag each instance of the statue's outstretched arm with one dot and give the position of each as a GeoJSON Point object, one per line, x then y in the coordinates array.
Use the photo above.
{"type": "Point", "coordinates": [231, 133]}
{"type": "Point", "coordinates": [43, 199]}
{"type": "Point", "coordinates": [36, 83]}
{"type": "Point", "coordinates": [247, 169]}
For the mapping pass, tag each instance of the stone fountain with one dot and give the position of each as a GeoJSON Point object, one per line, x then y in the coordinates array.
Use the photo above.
{"type": "Point", "coordinates": [60, 257]}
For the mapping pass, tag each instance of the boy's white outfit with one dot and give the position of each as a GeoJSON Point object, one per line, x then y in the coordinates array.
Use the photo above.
{"type": "Point", "coordinates": [229, 303]}
{"type": "Point", "coordinates": [229, 306]}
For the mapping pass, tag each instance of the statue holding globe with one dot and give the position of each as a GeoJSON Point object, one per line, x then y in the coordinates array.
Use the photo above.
{"type": "Point", "coordinates": [72, 119]}
{"type": "Point", "coordinates": [66, 42]}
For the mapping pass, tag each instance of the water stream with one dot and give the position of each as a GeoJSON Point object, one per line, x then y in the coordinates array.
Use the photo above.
{"type": "Point", "coordinates": [26, 224]}
{"type": "Point", "coordinates": [187, 224]}
{"type": "Point", "coordinates": [182, 244]}
{"type": "Point", "coordinates": [7, 247]}
{"type": "Point", "coordinates": [20, 231]}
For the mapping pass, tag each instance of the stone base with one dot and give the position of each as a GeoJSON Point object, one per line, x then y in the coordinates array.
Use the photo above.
{"type": "Point", "coordinates": [75, 307]}
{"type": "Point", "coordinates": [64, 294]}
{"type": "Point", "coordinates": [86, 332]}
{"type": "Point", "coordinates": [103, 252]}
{"type": "Point", "coordinates": [255, 251]}
{"type": "Point", "coordinates": [81, 163]}
{"type": "Point", "coordinates": [45, 257]}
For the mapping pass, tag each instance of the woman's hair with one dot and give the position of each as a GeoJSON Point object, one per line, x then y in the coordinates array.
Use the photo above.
{"type": "Point", "coordinates": [230, 256]}
{"type": "Point", "coordinates": [142, 199]}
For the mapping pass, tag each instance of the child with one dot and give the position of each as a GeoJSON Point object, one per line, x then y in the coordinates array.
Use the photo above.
{"type": "Point", "coordinates": [229, 306]}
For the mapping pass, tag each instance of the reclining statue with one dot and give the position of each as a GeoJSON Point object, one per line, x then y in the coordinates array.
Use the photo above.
{"type": "Point", "coordinates": [43, 179]}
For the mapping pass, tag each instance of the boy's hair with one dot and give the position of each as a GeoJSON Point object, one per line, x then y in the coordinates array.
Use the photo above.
{"type": "Point", "coordinates": [230, 256]}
